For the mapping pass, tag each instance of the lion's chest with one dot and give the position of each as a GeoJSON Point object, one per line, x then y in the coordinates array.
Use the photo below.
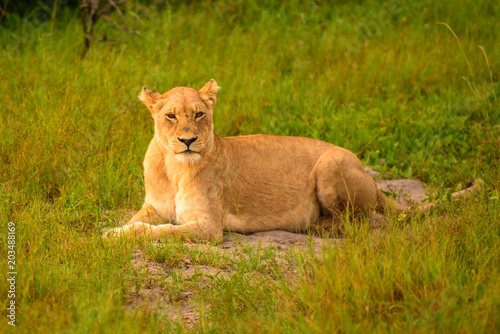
{"type": "Point", "coordinates": [164, 205]}
{"type": "Point", "coordinates": [161, 195]}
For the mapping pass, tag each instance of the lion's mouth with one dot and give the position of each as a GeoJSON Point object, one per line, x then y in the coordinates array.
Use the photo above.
{"type": "Point", "coordinates": [188, 151]}
{"type": "Point", "coordinates": [188, 156]}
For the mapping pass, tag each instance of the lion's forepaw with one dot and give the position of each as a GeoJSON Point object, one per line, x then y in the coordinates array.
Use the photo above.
{"type": "Point", "coordinates": [129, 230]}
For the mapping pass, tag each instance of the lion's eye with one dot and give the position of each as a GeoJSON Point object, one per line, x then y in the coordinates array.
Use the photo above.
{"type": "Point", "coordinates": [171, 116]}
{"type": "Point", "coordinates": [199, 114]}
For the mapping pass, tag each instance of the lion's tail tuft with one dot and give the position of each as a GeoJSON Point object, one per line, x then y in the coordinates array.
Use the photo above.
{"type": "Point", "coordinates": [385, 204]}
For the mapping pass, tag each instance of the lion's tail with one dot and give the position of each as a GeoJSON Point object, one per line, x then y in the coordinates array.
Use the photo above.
{"type": "Point", "coordinates": [385, 204]}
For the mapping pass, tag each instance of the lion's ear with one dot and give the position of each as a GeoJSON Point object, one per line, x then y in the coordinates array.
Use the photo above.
{"type": "Point", "coordinates": [149, 97]}
{"type": "Point", "coordinates": [209, 93]}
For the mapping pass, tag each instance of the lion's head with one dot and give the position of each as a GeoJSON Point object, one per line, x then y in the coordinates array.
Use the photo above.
{"type": "Point", "coordinates": [183, 119]}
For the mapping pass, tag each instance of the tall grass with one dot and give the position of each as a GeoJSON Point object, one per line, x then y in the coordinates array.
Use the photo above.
{"type": "Point", "coordinates": [379, 78]}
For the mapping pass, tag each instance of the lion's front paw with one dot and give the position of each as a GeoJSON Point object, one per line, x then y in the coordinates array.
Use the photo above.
{"type": "Point", "coordinates": [113, 233]}
{"type": "Point", "coordinates": [129, 230]}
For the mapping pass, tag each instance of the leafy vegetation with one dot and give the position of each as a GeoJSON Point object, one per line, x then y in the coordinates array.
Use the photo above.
{"type": "Point", "coordinates": [383, 79]}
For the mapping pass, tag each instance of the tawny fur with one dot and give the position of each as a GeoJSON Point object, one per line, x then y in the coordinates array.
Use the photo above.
{"type": "Point", "coordinates": [241, 184]}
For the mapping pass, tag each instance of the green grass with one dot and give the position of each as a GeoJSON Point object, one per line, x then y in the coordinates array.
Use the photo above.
{"type": "Point", "coordinates": [379, 78]}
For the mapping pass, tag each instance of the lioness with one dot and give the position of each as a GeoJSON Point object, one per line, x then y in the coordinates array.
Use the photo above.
{"type": "Point", "coordinates": [207, 184]}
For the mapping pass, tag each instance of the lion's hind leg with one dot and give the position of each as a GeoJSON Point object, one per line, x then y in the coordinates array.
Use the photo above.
{"type": "Point", "coordinates": [327, 226]}
{"type": "Point", "coordinates": [342, 185]}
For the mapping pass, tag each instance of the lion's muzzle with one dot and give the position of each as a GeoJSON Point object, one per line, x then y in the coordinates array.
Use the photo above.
{"type": "Point", "coordinates": [187, 141]}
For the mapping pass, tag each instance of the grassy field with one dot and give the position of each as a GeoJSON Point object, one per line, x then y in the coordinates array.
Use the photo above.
{"type": "Point", "coordinates": [381, 79]}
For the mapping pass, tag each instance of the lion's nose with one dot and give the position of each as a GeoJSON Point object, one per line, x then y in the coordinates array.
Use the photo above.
{"type": "Point", "coordinates": [188, 141]}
